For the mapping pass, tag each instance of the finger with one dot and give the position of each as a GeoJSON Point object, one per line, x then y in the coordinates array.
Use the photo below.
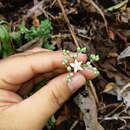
{"type": "Point", "coordinates": [88, 74]}
{"type": "Point", "coordinates": [16, 70]}
{"type": "Point", "coordinates": [37, 49]}
{"type": "Point", "coordinates": [27, 87]}
{"type": "Point", "coordinates": [8, 98]}
{"type": "Point", "coordinates": [31, 51]}
{"type": "Point", "coordinates": [45, 102]}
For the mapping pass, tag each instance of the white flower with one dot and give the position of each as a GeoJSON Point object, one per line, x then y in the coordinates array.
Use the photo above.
{"type": "Point", "coordinates": [76, 65]}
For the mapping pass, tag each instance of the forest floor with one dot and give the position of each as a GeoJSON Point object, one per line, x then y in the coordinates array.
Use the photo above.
{"type": "Point", "coordinates": [103, 27]}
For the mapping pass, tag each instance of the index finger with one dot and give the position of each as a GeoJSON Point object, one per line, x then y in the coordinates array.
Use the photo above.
{"type": "Point", "coordinates": [16, 70]}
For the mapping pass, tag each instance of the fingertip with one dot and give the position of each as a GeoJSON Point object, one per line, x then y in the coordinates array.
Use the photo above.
{"type": "Point", "coordinates": [77, 81]}
{"type": "Point", "coordinates": [89, 74]}
{"type": "Point", "coordinates": [82, 57]}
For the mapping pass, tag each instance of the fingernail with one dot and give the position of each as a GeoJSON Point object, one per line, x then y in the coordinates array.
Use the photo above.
{"type": "Point", "coordinates": [88, 73]}
{"type": "Point", "coordinates": [77, 82]}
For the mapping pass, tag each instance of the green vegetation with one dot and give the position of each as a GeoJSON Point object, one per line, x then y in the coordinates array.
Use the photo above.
{"type": "Point", "coordinates": [7, 47]}
{"type": "Point", "coordinates": [43, 31]}
{"type": "Point", "coordinates": [51, 123]}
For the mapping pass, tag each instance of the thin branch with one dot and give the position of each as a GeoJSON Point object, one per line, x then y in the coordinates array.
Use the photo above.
{"type": "Point", "coordinates": [93, 92]}
{"type": "Point", "coordinates": [35, 2]}
{"type": "Point", "coordinates": [109, 114]}
{"type": "Point", "coordinates": [28, 45]}
{"type": "Point", "coordinates": [74, 125]}
{"type": "Point", "coordinates": [68, 23]}
{"type": "Point", "coordinates": [35, 9]}
{"type": "Point", "coordinates": [115, 118]}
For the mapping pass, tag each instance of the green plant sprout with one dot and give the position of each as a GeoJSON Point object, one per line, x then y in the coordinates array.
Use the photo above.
{"type": "Point", "coordinates": [43, 31]}
{"type": "Point", "coordinates": [78, 66]}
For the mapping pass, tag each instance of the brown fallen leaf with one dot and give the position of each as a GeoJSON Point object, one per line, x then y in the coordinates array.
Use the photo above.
{"type": "Point", "coordinates": [109, 87]}
{"type": "Point", "coordinates": [112, 54]}
{"type": "Point", "coordinates": [36, 22]}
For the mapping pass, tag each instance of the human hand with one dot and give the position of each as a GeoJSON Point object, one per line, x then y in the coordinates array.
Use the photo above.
{"type": "Point", "coordinates": [33, 112]}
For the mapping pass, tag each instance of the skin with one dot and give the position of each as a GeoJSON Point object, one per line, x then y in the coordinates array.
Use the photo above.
{"type": "Point", "coordinates": [33, 113]}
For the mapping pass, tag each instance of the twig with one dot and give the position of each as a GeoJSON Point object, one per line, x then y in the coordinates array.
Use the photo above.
{"type": "Point", "coordinates": [54, 1]}
{"type": "Point", "coordinates": [84, 36]}
{"type": "Point", "coordinates": [45, 13]}
{"type": "Point", "coordinates": [35, 9]}
{"type": "Point", "coordinates": [94, 92]}
{"type": "Point", "coordinates": [125, 87]}
{"type": "Point", "coordinates": [99, 10]}
{"type": "Point", "coordinates": [27, 45]}
{"type": "Point", "coordinates": [74, 125]}
{"type": "Point", "coordinates": [35, 41]}
{"type": "Point", "coordinates": [77, 44]}
{"type": "Point", "coordinates": [60, 36]}
{"type": "Point", "coordinates": [115, 118]}
{"type": "Point", "coordinates": [120, 105]}
{"type": "Point", "coordinates": [35, 2]}
{"type": "Point", "coordinates": [68, 23]}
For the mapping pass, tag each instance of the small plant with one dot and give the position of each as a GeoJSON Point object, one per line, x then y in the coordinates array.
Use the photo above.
{"type": "Point", "coordinates": [6, 48]}
{"type": "Point", "coordinates": [76, 65]}
{"type": "Point", "coordinates": [43, 31]}
{"type": "Point", "coordinates": [24, 34]}
{"type": "Point", "coordinates": [51, 123]}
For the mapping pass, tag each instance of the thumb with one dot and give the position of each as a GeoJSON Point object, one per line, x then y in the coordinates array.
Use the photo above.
{"type": "Point", "coordinates": [44, 103]}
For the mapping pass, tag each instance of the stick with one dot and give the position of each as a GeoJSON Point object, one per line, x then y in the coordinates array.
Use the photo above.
{"type": "Point", "coordinates": [120, 105]}
{"type": "Point", "coordinates": [77, 44]}
{"type": "Point", "coordinates": [74, 125]}
{"type": "Point", "coordinates": [68, 23]}
{"type": "Point", "coordinates": [115, 118]}
{"type": "Point", "coordinates": [35, 8]}
{"type": "Point", "coordinates": [27, 45]}
{"type": "Point", "coordinates": [94, 92]}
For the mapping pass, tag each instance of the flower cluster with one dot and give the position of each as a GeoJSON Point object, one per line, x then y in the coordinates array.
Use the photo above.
{"type": "Point", "coordinates": [76, 65]}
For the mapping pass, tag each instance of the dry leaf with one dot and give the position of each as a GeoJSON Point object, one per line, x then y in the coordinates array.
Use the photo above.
{"type": "Point", "coordinates": [112, 54]}
{"type": "Point", "coordinates": [109, 87]}
{"type": "Point", "coordinates": [36, 22]}
{"type": "Point", "coordinates": [124, 54]}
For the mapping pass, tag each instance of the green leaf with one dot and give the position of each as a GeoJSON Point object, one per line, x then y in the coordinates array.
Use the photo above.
{"type": "Point", "coordinates": [17, 37]}
{"type": "Point", "coordinates": [23, 29]}
{"type": "Point", "coordinates": [48, 46]}
{"type": "Point", "coordinates": [5, 41]}
{"type": "Point", "coordinates": [44, 30]}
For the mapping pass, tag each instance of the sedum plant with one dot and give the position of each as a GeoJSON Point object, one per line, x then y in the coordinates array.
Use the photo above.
{"type": "Point", "coordinates": [6, 48]}
{"type": "Point", "coordinates": [76, 65]}
{"type": "Point", "coordinates": [43, 31]}
{"type": "Point", "coordinates": [7, 37]}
